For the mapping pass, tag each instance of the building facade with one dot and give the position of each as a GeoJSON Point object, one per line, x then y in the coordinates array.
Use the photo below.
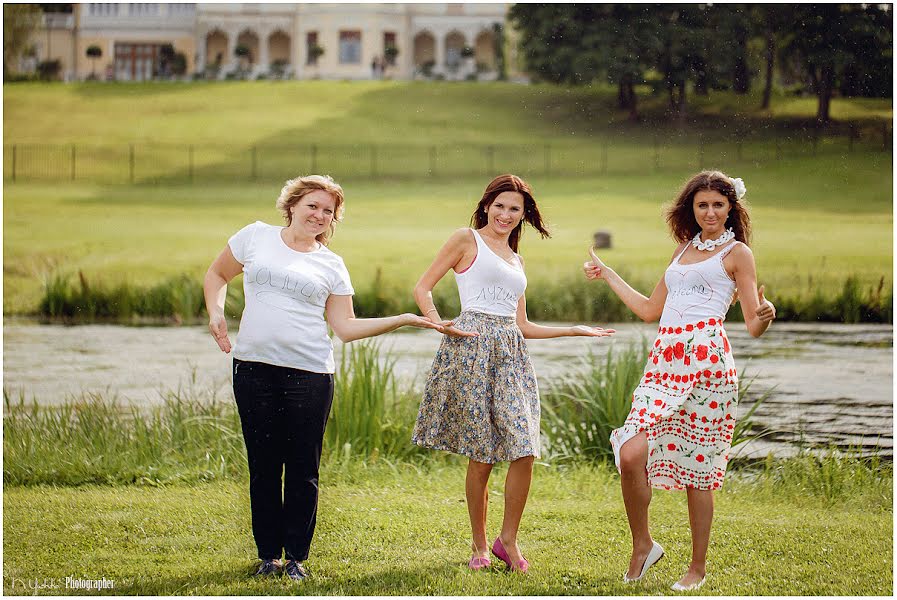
{"type": "Point", "coordinates": [303, 41]}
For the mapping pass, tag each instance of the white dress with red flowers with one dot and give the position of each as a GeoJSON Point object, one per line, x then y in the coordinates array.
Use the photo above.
{"type": "Point", "coordinates": [688, 395]}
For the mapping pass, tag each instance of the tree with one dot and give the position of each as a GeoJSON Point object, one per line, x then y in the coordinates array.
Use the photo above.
{"type": "Point", "coordinates": [831, 39]}
{"type": "Point", "coordinates": [93, 53]}
{"type": "Point", "coordinates": [20, 21]}
{"type": "Point", "coordinates": [772, 22]}
{"type": "Point", "coordinates": [498, 31]}
{"type": "Point", "coordinates": [581, 43]}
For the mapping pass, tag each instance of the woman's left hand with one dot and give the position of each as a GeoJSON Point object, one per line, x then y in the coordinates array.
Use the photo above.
{"type": "Point", "coordinates": [766, 311]}
{"type": "Point", "coordinates": [585, 330]}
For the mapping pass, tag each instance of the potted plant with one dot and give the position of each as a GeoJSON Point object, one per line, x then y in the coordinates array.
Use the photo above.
{"type": "Point", "coordinates": [314, 53]}
{"type": "Point", "coordinates": [93, 53]}
{"type": "Point", "coordinates": [390, 53]}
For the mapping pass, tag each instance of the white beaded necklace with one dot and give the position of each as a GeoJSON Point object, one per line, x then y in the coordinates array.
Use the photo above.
{"type": "Point", "coordinates": [712, 244]}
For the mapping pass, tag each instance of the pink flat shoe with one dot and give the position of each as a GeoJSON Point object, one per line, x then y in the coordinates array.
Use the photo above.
{"type": "Point", "coordinates": [498, 549]}
{"type": "Point", "coordinates": [479, 562]}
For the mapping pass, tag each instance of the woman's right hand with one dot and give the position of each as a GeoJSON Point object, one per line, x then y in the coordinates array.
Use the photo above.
{"type": "Point", "coordinates": [218, 329]}
{"type": "Point", "coordinates": [595, 268]}
{"type": "Point", "coordinates": [449, 329]}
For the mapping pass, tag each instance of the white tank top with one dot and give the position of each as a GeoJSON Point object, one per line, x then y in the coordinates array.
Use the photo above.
{"type": "Point", "coordinates": [491, 284]}
{"type": "Point", "coordinates": [698, 291]}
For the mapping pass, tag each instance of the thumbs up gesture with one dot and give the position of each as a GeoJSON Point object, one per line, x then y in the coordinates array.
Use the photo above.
{"type": "Point", "coordinates": [594, 269]}
{"type": "Point", "coordinates": [766, 311]}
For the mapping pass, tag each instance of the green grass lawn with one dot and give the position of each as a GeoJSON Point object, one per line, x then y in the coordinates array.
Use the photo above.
{"type": "Point", "coordinates": [404, 531]}
{"type": "Point", "coordinates": [810, 231]}
{"type": "Point", "coordinates": [818, 218]}
{"type": "Point", "coordinates": [292, 112]}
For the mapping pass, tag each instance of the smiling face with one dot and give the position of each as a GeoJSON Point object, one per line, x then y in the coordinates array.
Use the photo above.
{"type": "Point", "coordinates": [313, 214]}
{"type": "Point", "coordinates": [711, 210]}
{"type": "Point", "coordinates": [505, 212]}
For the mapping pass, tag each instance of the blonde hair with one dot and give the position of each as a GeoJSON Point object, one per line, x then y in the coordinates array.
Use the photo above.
{"type": "Point", "coordinates": [295, 189]}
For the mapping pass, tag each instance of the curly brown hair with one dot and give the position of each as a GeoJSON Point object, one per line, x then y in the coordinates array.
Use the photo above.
{"type": "Point", "coordinates": [531, 215]}
{"type": "Point", "coordinates": [680, 215]}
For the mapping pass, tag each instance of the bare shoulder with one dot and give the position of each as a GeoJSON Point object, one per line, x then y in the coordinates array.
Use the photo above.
{"type": "Point", "coordinates": [460, 238]}
{"type": "Point", "coordinates": [741, 252]}
{"type": "Point", "coordinates": [678, 249]}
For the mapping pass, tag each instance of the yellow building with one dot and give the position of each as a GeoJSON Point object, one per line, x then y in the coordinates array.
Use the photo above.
{"type": "Point", "coordinates": [328, 41]}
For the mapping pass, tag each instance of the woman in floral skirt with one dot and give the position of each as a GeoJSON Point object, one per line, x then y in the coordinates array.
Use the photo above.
{"type": "Point", "coordinates": [679, 432]}
{"type": "Point", "coordinates": [481, 398]}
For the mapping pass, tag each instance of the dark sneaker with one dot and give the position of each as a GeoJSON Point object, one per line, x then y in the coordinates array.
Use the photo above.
{"type": "Point", "coordinates": [295, 570]}
{"type": "Point", "coordinates": [267, 567]}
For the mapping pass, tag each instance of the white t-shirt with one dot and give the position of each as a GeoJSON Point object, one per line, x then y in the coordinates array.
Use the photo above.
{"type": "Point", "coordinates": [283, 321]}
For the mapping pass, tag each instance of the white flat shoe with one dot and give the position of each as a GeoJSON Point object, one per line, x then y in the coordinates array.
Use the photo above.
{"type": "Point", "coordinates": [654, 555]}
{"type": "Point", "coordinates": [677, 587]}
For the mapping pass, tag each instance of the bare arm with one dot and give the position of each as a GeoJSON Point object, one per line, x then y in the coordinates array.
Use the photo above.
{"type": "Point", "coordinates": [452, 253]}
{"type": "Point", "coordinates": [647, 309]}
{"type": "Point", "coordinates": [214, 286]}
{"type": "Point", "coordinates": [533, 331]}
{"type": "Point", "coordinates": [348, 328]}
{"type": "Point", "coordinates": [758, 311]}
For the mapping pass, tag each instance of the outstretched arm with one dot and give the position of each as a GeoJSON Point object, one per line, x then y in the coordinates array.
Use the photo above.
{"type": "Point", "coordinates": [533, 331]}
{"type": "Point", "coordinates": [758, 311]}
{"type": "Point", "coordinates": [646, 309]}
{"type": "Point", "coordinates": [348, 328]}
{"type": "Point", "coordinates": [214, 287]}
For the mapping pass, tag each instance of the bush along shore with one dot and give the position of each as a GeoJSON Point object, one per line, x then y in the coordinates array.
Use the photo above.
{"type": "Point", "coordinates": [180, 300]}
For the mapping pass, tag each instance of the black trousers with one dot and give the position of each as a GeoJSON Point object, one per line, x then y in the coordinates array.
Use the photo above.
{"type": "Point", "coordinates": [283, 413]}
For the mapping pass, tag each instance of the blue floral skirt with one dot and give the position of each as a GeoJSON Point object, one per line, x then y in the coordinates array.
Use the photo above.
{"type": "Point", "coordinates": [481, 398]}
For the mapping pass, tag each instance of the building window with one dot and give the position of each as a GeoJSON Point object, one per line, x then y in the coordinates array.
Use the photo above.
{"type": "Point", "coordinates": [312, 50]}
{"type": "Point", "coordinates": [389, 41]}
{"type": "Point", "coordinates": [350, 47]}
{"type": "Point", "coordinates": [136, 62]}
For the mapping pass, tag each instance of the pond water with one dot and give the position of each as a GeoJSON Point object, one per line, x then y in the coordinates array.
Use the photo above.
{"type": "Point", "coordinates": [827, 383]}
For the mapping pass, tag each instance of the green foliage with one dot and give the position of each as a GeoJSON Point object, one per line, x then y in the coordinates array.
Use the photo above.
{"type": "Point", "coordinates": [48, 70]}
{"type": "Point", "coordinates": [20, 22]}
{"type": "Point", "coordinates": [371, 417]}
{"type": "Point", "coordinates": [833, 476]}
{"type": "Point", "coordinates": [580, 411]}
{"type": "Point", "coordinates": [192, 436]}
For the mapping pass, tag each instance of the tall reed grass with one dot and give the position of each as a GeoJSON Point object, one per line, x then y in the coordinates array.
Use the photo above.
{"type": "Point", "coordinates": [580, 410]}
{"type": "Point", "coordinates": [834, 475]}
{"type": "Point", "coordinates": [180, 299]}
{"type": "Point", "coordinates": [371, 416]}
{"type": "Point", "coordinates": [194, 434]}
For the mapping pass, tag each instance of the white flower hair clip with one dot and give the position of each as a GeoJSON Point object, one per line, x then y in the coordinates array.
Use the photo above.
{"type": "Point", "coordinates": [738, 184]}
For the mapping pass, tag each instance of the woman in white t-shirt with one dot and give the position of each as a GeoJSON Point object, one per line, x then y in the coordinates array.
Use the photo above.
{"type": "Point", "coordinates": [283, 358]}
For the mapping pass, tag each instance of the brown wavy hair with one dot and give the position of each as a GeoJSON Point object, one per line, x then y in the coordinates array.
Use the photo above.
{"type": "Point", "coordinates": [531, 215]}
{"type": "Point", "coordinates": [295, 189]}
{"type": "Point", "coordinates": [681, 217]}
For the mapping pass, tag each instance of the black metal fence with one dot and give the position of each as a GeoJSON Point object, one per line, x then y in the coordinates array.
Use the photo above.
{"type": "Point", "coordinates": [191, 163]}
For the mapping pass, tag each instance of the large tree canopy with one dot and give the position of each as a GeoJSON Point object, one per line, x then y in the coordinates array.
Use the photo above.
{"type": "Point", "coordinates": [20, 21]}
{"type": "Point", "coordinates": [705, 46]}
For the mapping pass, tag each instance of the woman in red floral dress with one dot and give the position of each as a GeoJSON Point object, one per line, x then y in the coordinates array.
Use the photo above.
{"type": "Point", "coordinates": [678, 434]}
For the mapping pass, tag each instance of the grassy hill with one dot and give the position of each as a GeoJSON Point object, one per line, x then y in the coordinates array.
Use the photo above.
{"type": "Point", "coordinates": [821, 213]}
